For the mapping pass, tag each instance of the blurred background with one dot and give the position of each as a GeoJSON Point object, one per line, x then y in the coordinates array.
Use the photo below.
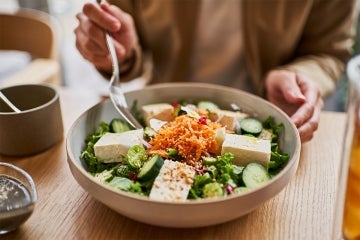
{"type": "Point", "coordinates": [75, 72]}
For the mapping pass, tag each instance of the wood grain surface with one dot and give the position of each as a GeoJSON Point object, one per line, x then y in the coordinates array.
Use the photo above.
{"type": "Point", "coordinates": [303, 210]}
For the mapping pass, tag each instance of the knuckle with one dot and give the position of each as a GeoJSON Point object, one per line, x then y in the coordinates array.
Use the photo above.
{"type": "Point", "coordinates": [128, 20]}
{"type": "Point", "coordinates": [306, 136]}
{"type": "Point", "coordinates": [314, 125]}
{"type": "Point", "coordinates": [76, 31]}
{"type": "Point", "coordinates": [88, 45]}
{"type": "Point", "coordinates": [92, 30]}
{"type": "Point", "coordinates": [77, 45]}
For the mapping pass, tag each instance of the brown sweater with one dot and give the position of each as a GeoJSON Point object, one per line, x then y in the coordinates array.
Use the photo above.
{"type": "Point", "coordinates": [313, 37]}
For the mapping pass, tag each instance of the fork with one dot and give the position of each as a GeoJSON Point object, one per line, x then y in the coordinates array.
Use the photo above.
{"type": "Point", "coordinates": [115, 92]}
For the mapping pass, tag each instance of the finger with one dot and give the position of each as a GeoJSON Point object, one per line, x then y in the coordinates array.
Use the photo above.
{"type": "Point", "coordinates": [90, 50]}
{"type": "Point", "coordinates": [308, 89]}
{"type": "Point", "coordinates": [306, 110]}
{"type": "Point", "coordinates": [92, 34]}
{"type": "Point", "coordinates": [285, 83]}
{"type": "Point", "coordinates": [99, 61]}
{"type": "Point", "coordinates": [121, 51]}
{"type": "Point", "coordinates": [126, 35]}
{"type": "Point", "coordinates": [100, 17]}
{"type": "Point", "coordinates": [292, 91]}
{"type": "Point", "coordinates": [307, 130]}
{"type": "Point", "coordinates": [124, 18]}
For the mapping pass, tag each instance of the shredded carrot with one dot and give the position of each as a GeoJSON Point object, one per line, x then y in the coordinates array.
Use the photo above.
{"type": "Point", "coordinates": [189, 136]}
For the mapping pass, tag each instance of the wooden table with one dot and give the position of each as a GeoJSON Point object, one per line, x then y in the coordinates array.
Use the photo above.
{"type": "Point", "coordinates": [303, 210]}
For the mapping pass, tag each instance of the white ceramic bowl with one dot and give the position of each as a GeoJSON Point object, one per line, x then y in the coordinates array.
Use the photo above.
{"type": "Point", "coordinates": [192, 213]}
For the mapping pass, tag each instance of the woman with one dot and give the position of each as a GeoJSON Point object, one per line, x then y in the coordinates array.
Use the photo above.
{"type": "Point", "coordinates": [289, 52]}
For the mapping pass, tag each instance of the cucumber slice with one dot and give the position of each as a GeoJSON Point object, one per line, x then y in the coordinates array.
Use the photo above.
{"type": "Point", "coordinates": [241, 189]}
{"type": "Point", "coordinates": [251, 126]}
{"type": "Point", "coordinates": [151, 168]}
{"type": "Point", "coordinates": [207, 105]}
{"type": "Point", "coordinates": [254, 174]}
{"type": "Point", "coordinates": [213, 189]}
{"type": "Point", "coordinates": [117, 126]}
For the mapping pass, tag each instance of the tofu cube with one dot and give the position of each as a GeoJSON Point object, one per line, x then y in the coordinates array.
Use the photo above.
{"type": "Point", "coordinates": [228, 119]}
{"type": "Point", "coordinates": [160, 111]}
{"type": "Point", "coordinates": [112, 147]}
{"type": "Point", "coordinates": [173, 182]}
{"type": "Point", "coordinates": [247, 149]}
{"type": "Point", "coordinates": [220, 135]}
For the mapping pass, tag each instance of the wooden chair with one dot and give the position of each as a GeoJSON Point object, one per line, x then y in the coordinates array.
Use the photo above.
{"type": "Point", "coordinates": [34, 32]}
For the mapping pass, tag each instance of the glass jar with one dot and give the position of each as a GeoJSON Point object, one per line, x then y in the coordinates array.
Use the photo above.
{"type": "Point", "coordinates": [347, 206]}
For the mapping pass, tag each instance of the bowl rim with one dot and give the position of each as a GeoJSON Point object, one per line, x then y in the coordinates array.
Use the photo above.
{"type": "Point", "coordinates": [53, 99]}
{"type": "Point", "coordinates": [26, 175]}
{"type": "Point", "coordinates": [294, 159]}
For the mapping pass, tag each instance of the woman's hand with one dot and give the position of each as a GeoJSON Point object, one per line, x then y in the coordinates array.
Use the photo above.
{"type": "Point", "coordinates": [299, 97]}
{"type": "Point", "coordinates": [94, 21]}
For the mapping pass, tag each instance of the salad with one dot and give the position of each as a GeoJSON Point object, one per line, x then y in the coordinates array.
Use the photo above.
{"type": "Point", "coordinates": [185, 151]}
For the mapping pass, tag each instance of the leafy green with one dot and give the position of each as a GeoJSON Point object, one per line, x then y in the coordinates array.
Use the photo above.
{"type": "Point", "coordinates": [200, 181]}
{"type": "Point", "coordinates": [174, 154]}
{"type": "Point", "coordinates": [124, 171]}
{"type": "Point", "coordinates": [125, 184]}
{"type": "Point", "coordinates": [104, 176]}
{"type": "Point", "coordinates": [149, 133]}
{"type": "Point", "coordinates": [218, 170]}
{"type": "Point", "coordinates": [136, 113]}
{"type": "Point", "coordinates": [277, 159]}
{"type": "Point", "coordinates": [269, 123]}
{"type": "Point", "coordinates": [217, 177]}
{"type": "Point", "coordinates": [123, 176]}
{"type": "Point", "coordinates": [88, 155]}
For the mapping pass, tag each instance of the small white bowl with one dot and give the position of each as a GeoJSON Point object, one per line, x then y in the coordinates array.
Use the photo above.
{"type": "Point", "coordinates": [18, 196]}
{"type": "Point", "coordinates": [193, 213]}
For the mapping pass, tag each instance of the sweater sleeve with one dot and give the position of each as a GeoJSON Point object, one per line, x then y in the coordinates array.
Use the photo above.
{"type": "Point", "coordinates": [326, 44]}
